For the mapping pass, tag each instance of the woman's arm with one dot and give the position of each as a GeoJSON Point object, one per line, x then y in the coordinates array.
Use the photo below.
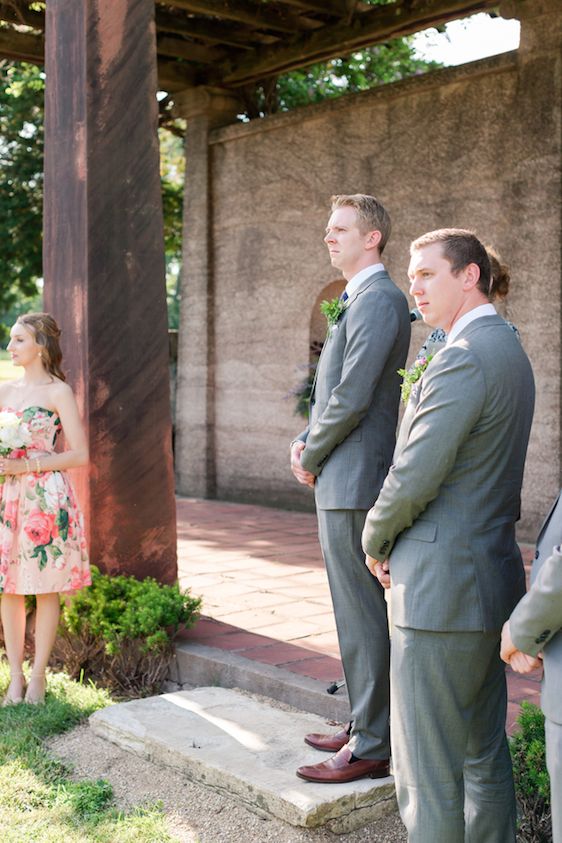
{"type": "Point", "coordinates": [76, 453]}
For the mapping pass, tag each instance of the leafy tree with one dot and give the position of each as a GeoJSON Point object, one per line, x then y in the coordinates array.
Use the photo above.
{"type": "Point", "coordinates": [21, 173]}
{"type": "Point", "coordinates": [22, 89]}
{"type": "Point", "coordinates": [172, 168]}
{"type": "Point", "coordinates": [359, 71]}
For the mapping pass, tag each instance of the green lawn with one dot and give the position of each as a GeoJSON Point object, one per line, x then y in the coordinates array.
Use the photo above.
{"type": "Point", "coordinates": [7, 371]}
{"type": "Point", "coordinates": [38, 800]}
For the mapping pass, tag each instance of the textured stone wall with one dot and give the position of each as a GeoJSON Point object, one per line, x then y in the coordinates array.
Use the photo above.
{"type": "Point", "coordinates": [477, 146]}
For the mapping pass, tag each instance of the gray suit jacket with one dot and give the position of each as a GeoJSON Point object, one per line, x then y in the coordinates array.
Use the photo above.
{"type": "Point", "coordinates": [354, 404]}
{"type": "Point", "coordinates": [446, 514]}
{"type": "Point", "coordinates": [536, 621]}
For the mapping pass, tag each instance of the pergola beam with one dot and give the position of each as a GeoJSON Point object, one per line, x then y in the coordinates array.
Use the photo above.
{"type": "Point", "coordinates": [379, 25]}
{"type": "Point", "coordinates": [212, 32]}
{"type": "Point", "coordinates": [180, 48]}
{"type": "Point", "coordinates": [22, 46]}
{"type": "Point", "coordinates": [245, 12]}
{"type": "Point", "coordinates": [240, 42]}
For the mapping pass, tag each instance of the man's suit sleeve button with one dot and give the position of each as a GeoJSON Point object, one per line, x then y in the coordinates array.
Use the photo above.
{"type": "Point", "coordinates": [385, 545]}
{"type": "Point", "coordinates": [543, 636]}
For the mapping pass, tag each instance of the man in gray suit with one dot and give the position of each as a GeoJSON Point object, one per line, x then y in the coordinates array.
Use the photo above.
{"type": "Point", "coordinates": [535, 627]}
{"type": "Point", "coordinates": [344, 454]}
{"type": "Point", "coordinates": [442, 533]}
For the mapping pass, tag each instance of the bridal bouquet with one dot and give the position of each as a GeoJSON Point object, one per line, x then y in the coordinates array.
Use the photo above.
{"type": "Point", "coordinates": [15, 436]}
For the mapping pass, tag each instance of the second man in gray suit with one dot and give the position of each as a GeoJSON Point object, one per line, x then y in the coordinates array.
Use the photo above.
{"type": "Point", "coordinates": [442, 533]}
{"type": "Point", "coordinates": [344, 454]}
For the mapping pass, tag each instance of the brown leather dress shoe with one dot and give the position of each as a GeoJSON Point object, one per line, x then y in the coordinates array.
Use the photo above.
{"type": "Point", "coordinates": [341, 768]}
{"type": "Point", "coordinates": [329, 743]}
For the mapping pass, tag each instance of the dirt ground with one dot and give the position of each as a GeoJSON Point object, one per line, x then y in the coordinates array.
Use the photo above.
{"type": "Point", "coordinates": [194, 814]}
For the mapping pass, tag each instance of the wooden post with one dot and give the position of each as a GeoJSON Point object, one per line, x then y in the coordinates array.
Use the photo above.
{"type": "Point", "coordinates": [104, 272]}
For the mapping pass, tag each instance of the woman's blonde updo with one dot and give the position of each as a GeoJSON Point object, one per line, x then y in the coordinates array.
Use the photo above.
{"type": "Point", "coordinates": [46, 333]}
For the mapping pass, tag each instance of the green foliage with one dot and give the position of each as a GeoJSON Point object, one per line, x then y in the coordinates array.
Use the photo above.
{"type": "Point", "coordinates": [302, 392]}
{"type": "Point", "coordinates": [172, 174]}
{"type": "Point", "coordinates": [22, 90]}
{"type": "Point", "coordinates": [21, 173]}
{"type": "Point", "coordinates": [412, 375]}
{"type": "Point", "coordinates": [332, 309]}
{"type": "Point", "coordinates": [359, 71]}
{"type": "Point", "coordinates": [116, 608]}
{"type": "Point", "coordinates": [532, 786]}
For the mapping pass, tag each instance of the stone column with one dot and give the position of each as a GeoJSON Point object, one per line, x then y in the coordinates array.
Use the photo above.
{"type": "Point", "coordinates": [204, 109]}
{"type": "Point", "coordinates": [105, 275]}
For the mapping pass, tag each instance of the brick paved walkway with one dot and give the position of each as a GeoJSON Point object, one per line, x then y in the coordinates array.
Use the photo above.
{"type": "Point", "coordinates": [265, 592]}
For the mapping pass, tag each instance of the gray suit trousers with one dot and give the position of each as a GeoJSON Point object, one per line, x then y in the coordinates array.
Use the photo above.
{"type": "Point", "coordinates": [362, 625]}
{"type": "Point", "coordinates": [451, 759]}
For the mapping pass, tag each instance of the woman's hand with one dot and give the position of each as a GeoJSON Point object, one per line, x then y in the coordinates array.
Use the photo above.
{"type": "Point", "coordinates": [8, 466]}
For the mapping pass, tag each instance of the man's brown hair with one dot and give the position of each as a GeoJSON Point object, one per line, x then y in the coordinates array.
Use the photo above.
{"type": "Point", "coordinates": [460, 247]}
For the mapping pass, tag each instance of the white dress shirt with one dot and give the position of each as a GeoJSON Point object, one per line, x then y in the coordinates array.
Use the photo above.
{"type": "Point", "coordinates": [475, 313]}
{"type": "Point", "coordinates": [354, 283]}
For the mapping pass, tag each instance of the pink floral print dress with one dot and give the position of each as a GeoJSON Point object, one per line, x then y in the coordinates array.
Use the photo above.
{"type": "Point", "coordinates": [42, 543]}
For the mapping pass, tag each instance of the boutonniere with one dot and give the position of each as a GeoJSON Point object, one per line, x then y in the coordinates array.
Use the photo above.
{"type": "Point", "coordinates": [332, 310]}
{"type": "Point", "coordinates": [412, 375]}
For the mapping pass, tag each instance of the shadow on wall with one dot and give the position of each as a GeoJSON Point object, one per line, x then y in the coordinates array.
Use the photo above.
{"type": "Point", "coordinates": [317, 335]}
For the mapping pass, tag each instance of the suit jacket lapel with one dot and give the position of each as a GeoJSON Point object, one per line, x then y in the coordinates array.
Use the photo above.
{"type": "Point", "coordinates": [363, 286]}
{"type": "Point", "coordinates": [366, 283]}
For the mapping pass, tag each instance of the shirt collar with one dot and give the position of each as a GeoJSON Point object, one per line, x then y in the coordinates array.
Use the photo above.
{"type": "Point", "coordinates": [475, 313]}
{"type": "Point", "coordinates": [354, 283]}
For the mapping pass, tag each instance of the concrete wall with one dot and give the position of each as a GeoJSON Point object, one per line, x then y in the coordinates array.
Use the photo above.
{"type": "Point", "coordinates": [477, 146]}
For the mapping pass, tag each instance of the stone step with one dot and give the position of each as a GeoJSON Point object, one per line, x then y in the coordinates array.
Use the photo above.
{"type": "Point", "coordinates": [247, 747]}
{"type": "Point", "coordinates": [198, 665]}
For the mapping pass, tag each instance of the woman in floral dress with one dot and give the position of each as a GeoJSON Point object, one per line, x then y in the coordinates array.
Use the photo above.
{"type": "Point", "coordinates": [42, 545]}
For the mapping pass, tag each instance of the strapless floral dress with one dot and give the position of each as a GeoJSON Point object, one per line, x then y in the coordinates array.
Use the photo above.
{"type": "Point", "coordinates": [42, 542]}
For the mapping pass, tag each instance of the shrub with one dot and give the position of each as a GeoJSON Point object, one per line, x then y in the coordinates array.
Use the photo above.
{"type": "Point", "coordinates": [119, 631]}
{"type": "Point", "coordinates": [532, 785]}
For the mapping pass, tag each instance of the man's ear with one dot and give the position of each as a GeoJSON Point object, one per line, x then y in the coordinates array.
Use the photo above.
{"type": "Point", "coordinates": [472, 276]}
{"type": "Point", "coordinates": [373, 239]}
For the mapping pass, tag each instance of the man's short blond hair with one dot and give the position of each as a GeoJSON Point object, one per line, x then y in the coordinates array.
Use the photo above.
{"type": "Point", "coordinates": [371, 214]}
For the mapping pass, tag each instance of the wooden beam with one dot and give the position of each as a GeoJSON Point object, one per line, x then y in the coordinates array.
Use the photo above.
{"type": "Point", "coordinates": [175, 76]}
{"type": "Point", "coordinates": [336, 8]}
{"type": "Point", "coordinates": [243, 11]}
{"type": "Point", "coordinates": [379, 25]}
{"type": "Point", "coordinates": [180, 48]}
{"type": "Point", "coordinates": [211, 31]}
{"type": "Point", "coordinates": [22, 46]}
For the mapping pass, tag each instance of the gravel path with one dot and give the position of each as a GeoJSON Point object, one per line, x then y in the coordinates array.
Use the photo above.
{"type": "Point", "coordinates": [194, 814]}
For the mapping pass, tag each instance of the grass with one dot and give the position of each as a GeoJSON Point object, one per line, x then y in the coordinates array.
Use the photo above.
{"type": "Point", "coordinates": [8, 372]}
{"type": "Point", "coordinates": [39, 802]}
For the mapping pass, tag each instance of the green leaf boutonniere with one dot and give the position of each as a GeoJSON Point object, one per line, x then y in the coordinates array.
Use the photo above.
{"type": "Point", "coordinates": [332, 310]}
{"type": "Point", "coordinates": [412, 375]}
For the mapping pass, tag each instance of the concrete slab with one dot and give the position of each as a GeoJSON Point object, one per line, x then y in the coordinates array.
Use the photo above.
{"type": "Point", "coordinates": [242, 745]}
{"type": "Point", "coordinates": [199, 666]}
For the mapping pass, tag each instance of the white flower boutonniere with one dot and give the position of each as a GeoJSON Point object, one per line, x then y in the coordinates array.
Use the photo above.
{"type": "Point", "coordinates": [412, 375]}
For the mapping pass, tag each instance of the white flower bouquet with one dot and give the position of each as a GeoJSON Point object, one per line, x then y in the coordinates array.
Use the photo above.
{"type": "Point", "coordinates": [15, 436]}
